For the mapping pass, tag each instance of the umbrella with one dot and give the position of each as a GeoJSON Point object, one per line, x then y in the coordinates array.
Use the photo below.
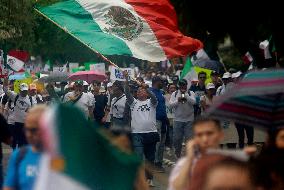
{"type": "Point", "coordinates": [20, 76]}
{"type": "Point", "coordinates": [209, 64]}
{"type": "Point", "coordinates": [55, 77]}
{"type": "Point", "coordinates": [257, 100]}
{"type": "Point", "coordinates": [88, 76]}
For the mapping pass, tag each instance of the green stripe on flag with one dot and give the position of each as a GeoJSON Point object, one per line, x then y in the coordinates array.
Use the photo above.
{"type": "Point", "coordinates": [70, 15]}
{"type": "Point", "coordinates": [187, 68]}
{"type": "Point", "coordinates": [90, 158]}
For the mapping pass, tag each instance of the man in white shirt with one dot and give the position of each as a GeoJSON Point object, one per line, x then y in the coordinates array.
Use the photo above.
{"type": "Point", "coordinates": [36, 98]}
{"type": "Point", "coordinates": [182, 103]}
{"type": "Point", "coordinates": [80, 99]}
{"type": "Point", "coordinates": [227, 77]}
{"type": "Point", "coordinates": [143, 123]}
{"type": "Point", "coordinates": [118, 107]}
{"type": "Point", "coordinates": [22, 103]}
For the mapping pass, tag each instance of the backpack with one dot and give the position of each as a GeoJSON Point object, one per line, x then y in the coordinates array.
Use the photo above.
{"type": "Point", "coordinates": [31, 100]}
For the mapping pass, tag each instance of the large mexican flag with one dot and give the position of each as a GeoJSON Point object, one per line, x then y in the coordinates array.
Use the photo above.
{"type": "Point", "coordinates": [145, 29]}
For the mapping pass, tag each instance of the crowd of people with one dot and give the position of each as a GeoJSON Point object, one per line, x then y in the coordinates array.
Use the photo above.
{"type": "Point", "coordinates": [160, 113]}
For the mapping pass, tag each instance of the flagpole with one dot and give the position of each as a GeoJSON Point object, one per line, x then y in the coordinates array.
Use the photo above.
{"type": "Point", "coordinates": [87, 45]}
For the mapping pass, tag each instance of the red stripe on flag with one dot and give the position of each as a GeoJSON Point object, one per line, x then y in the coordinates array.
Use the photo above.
{"type": "Point", "coordinates": [161, 17]}
{"type": "Point", "coordinates": [245, 111]}
{"type": "Point", "coordinates": [21, 55]}
{"type": "Point", "coordinates": [262, 83]}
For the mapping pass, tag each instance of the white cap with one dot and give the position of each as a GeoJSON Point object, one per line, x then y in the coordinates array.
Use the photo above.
{"type": "Point", "coordinates": [102, 89]}
{"type": "Point", "coordinates": [210, 86]}
{"type": "Point", "coordinates": [227, 75]}
{"type": "Point", "coordinates": [236, 75]}
{"type": "Point", "coordinates": [23, 87]}
{"type": "Point", "coordinates": [85, 83]}
{"type": "Point", "coordinates": [109, 84]}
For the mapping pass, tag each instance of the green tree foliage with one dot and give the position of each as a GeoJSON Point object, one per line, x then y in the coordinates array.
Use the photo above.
{"type": "Point", "coordinates": [16, 24]}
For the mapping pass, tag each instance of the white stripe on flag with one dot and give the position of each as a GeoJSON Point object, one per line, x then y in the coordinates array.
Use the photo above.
{"type": "Point", "coordinates": [51, 180]}
{"type": "Point", "coordinates": [146, 38]}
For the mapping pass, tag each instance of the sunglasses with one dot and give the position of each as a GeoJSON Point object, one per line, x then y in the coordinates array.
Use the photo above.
{"type": "Point", "coordinates": [202, 77]}
{"type": "Point", "coordinates": [32, 130]}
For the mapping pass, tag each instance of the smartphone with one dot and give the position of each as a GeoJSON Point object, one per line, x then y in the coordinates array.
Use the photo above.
{"type": "Point", "coordinates": [196, 150]}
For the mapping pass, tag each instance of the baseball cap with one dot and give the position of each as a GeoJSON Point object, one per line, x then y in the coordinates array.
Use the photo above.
{"type": "Point", "coordinates": [237, 74]}
{"type": "Point", "coordinates": [210, 86]}
{"type": "Point", "coordinates": [33, 87]}
{"type": "Point", "coordinates": [85, 83]}
{"type": "Point", "coordinates": [109, 84]}
{"type": "Point", "coordinates": [79, 82]}
{"type": "Point", "coordinates": [23, 87]}
{"type": "Point", "coordinates": [102, 89]}
{"type": "Point", "coordinates": [227, 75]}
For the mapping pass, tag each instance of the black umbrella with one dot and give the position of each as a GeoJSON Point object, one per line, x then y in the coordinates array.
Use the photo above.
{"type": "Point", "coordinates": [209, 64]}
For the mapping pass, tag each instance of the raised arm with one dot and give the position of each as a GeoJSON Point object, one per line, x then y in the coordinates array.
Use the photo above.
{"type": "Point", "coordinates": [129, 97]}
{"type": "Point", "coordinates": [153, 98]}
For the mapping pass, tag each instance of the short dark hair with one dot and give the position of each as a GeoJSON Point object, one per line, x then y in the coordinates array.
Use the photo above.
{"type": "Point", "coordinates": [201, 73]}
{"type": "Point", "coordinates": [203, 119]}
{"type": "Point", "coordinates": [119, 85]}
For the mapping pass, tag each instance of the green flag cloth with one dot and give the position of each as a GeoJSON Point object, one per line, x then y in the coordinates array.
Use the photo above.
{"type": "Point", "coordinates": [91, 161]}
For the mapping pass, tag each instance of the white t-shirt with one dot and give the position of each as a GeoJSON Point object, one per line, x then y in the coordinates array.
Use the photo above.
{"type": "Point", "coordinates": [83, 103]}
{"type": "Point", "coordinates": [143, 116]}
{"type": "Point", "coordinates": [117, 106]}
{"type": "Point", "coordinates": [21, 106]}
{"type": "Point", "coordinates": [35, 100]}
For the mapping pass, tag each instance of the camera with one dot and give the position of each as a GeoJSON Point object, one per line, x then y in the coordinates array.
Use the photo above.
{"type": "Point", "coordinates": [183, 98]}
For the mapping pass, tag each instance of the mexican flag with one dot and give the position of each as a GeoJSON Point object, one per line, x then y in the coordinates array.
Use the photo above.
{"type": "Point", "coordinates": [145, 29]}
{"type": "Point", "coordinates": [188, 73]}
{"type": "Point", "coordinates": [79, 157]}
{"type": "Point", "coordinates": [15, 64]}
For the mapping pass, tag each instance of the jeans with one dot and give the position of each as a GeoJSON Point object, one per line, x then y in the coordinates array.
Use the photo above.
{"type": "Point", "coordinates": [182, 130]}
{"type": "Point", "coordinates": [144, 149]}
{"type": "Point", "coordinates": [241, 132]}
{"type": "Point", "coordinates": [19, 138]}
{"type": "Point", "coordinates": [160, 147]}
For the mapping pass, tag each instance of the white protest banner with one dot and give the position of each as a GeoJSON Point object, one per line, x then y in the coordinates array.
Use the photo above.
{"type": "Point", "coordinates": [100, 67]}
{"type": "Point", "coordinates": [117, 74]}
{"type": "Point", "coordinates": [73, 66]}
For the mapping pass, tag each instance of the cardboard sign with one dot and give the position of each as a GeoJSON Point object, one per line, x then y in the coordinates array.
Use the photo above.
{"type": "Point", "coordinates": [18, 82]}
{"type": "Point", "coordinates": [117, 74]}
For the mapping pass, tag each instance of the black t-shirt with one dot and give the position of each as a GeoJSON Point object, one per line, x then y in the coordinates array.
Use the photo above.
{"type": "Point", "coordinates": [4, 132]}
{"type": "Point", "coordinates": [101, 103]}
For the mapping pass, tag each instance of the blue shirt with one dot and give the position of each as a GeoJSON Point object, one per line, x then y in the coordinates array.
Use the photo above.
{"type": "Point", "coordinates": [24, 176]}
{"type": "Point", "coordinates": [161, 113]}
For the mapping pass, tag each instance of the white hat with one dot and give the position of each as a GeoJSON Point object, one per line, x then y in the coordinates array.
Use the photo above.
{"type": "Point", "coordinates": [109, 84]}
{"type": "Point", "coordinates": [236, 75]}
{"type": "Point", "coordinates": [210, 86]}
{"type": "Point", "coordinates": [23, 87]}
{"type": "Point", "coordinates": [85, 83]}
{"type": "Point", "coordinates": [102, 89]}
{"type": "Point", "coordinates": [227, 75]}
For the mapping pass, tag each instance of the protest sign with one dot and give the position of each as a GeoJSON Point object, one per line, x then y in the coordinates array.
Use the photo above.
{"type": "Point", "coordinates": [117, 74]}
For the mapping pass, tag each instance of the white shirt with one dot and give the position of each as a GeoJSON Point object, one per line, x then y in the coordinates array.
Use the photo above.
{"type": "Point", "coordinates": [117, 106]}
{"type": "Point", "coordinates": [35, 100]}
{"type": "Point", "coordinates": [143, 116]}
{"type": "Point", "coordinates": [83, 103]}
{"type": "Point", "coordinates": [183, 112]}
{"type": "Point", "coordinates": [21, 106]}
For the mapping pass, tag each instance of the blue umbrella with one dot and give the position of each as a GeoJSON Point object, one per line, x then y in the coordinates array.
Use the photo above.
{"type": "Point", "coordinates": [20, 76]}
